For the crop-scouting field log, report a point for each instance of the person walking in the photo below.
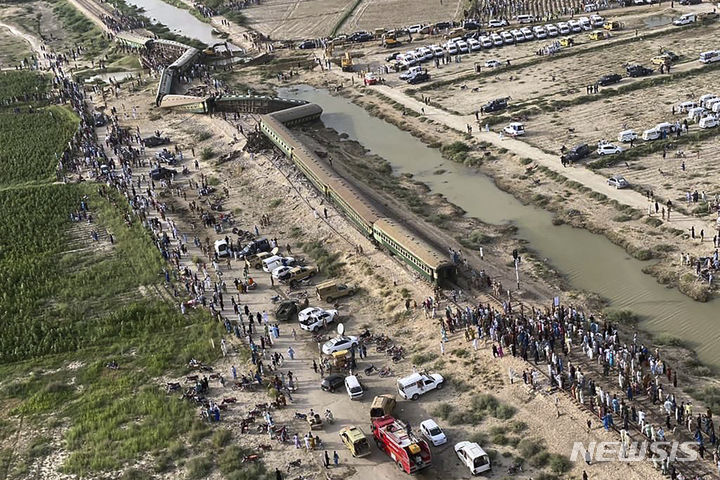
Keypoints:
(291, 353)
(336, 458)
(327, 460)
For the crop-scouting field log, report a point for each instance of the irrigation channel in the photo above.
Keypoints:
(589, 261)
(177, 20)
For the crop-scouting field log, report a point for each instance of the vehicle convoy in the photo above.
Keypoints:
(416, 384)
(393, 437)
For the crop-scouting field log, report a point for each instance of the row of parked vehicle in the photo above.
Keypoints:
(473, 42)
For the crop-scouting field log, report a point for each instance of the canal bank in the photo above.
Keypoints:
(589, 261)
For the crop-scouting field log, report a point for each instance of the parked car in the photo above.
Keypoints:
(473, 457)
(608, 149)
(564, 28)
(419, 78)
(416, 384)
(280, 271)
(638, 71)
(161, 173)
(259, 245)
(497, 39)
(272, 262)
(382, 405)
(651, 134)
(492, 64)
(618, 181)
(494, 105)
(515, 129)
(474, 44)
(306, 45)
(354, 389)
(690, 2)
(355, 441)
(332, 382)
(552, 30)
(410, 72)
(495, 23)
(685, 19)
(471, 25)
(627, 135)
(338, 343)
(578, 152)
(430, 430)
(609, 79)
(708, 122)
(295, 274)
(330, 290)
(222, 248)
(664, 58)
(317, 319)
(371, 79)
(462, 46)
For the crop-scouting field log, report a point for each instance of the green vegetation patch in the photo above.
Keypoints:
(21, 84)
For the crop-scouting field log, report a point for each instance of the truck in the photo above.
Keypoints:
(395, 438)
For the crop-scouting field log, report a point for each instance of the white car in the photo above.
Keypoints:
(527, 33)
(473, 457)
(279, 271)
(552, 30)
(432, 432)
(618, 181)
(305, 314)
(416, 384)
(462, 46)
(339, 343)
(426, 53)
(437, 50)
(492, 64)
(627, 136)
(354, 387)
(497, 39)
(597, 21)
(494, 23)
(608, 149)
(564, 28)
(317, 319)
(508, 37)
(518, 36)
(515, 129)
(222, 248)
(487, 42)
(271, 263)
(451, 48)
(708, 122)
(684, 107)
(539, 32)
(414, 28)
(474, 44)
(575, 26)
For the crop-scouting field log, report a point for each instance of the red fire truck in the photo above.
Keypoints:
(394, 438)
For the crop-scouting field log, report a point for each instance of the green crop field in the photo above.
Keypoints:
(21, 83)
(69, 305)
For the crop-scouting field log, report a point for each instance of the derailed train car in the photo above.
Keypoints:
(406, 246)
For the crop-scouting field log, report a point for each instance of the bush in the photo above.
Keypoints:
(540, 459)
(199, 467)
(443, 410)
(529, 447)
(423, 358)
(559, 463)
(622, 317)
(207, 153)
(221, 437)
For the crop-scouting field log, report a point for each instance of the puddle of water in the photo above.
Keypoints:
(590, 261)
(178, 20)
(114, 76)
(657, 20)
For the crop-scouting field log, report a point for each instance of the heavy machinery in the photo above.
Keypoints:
(346, 63)
(393, 437)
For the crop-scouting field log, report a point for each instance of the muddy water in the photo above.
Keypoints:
(177, 20)
(589, 261)
(657, 20)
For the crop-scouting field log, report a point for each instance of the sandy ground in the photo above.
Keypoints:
(390, 14)
(14, 46)
(262, 180)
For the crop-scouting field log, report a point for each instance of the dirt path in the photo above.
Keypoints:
(34, 42)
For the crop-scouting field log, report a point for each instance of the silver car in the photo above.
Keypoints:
(618, 181)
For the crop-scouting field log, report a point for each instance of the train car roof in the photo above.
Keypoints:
(356, 200)
(178, 100)
(294, 113)
(410, 241)
(187, 56)
(133, 38)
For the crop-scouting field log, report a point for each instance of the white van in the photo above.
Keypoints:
(651, 134)
(708, 122)
(525, 19)
(627, 135)
(515, 129)
(353, 387)
(704, 99)
(271, 263)
(710, 56)
(695, 114)
(686, 19)
(416, 384)
(716, 108)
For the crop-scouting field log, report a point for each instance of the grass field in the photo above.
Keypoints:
(69, 306)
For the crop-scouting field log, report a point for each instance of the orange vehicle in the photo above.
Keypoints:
(409, 453)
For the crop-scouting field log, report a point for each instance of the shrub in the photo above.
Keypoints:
(443, 410)
(529, 447)
(559, 463)
(423, 358)
(207, 153)
(199, 467)
(221, 437)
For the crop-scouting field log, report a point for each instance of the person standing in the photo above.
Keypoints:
(327, 460)
(336, 458)
(291, 353)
